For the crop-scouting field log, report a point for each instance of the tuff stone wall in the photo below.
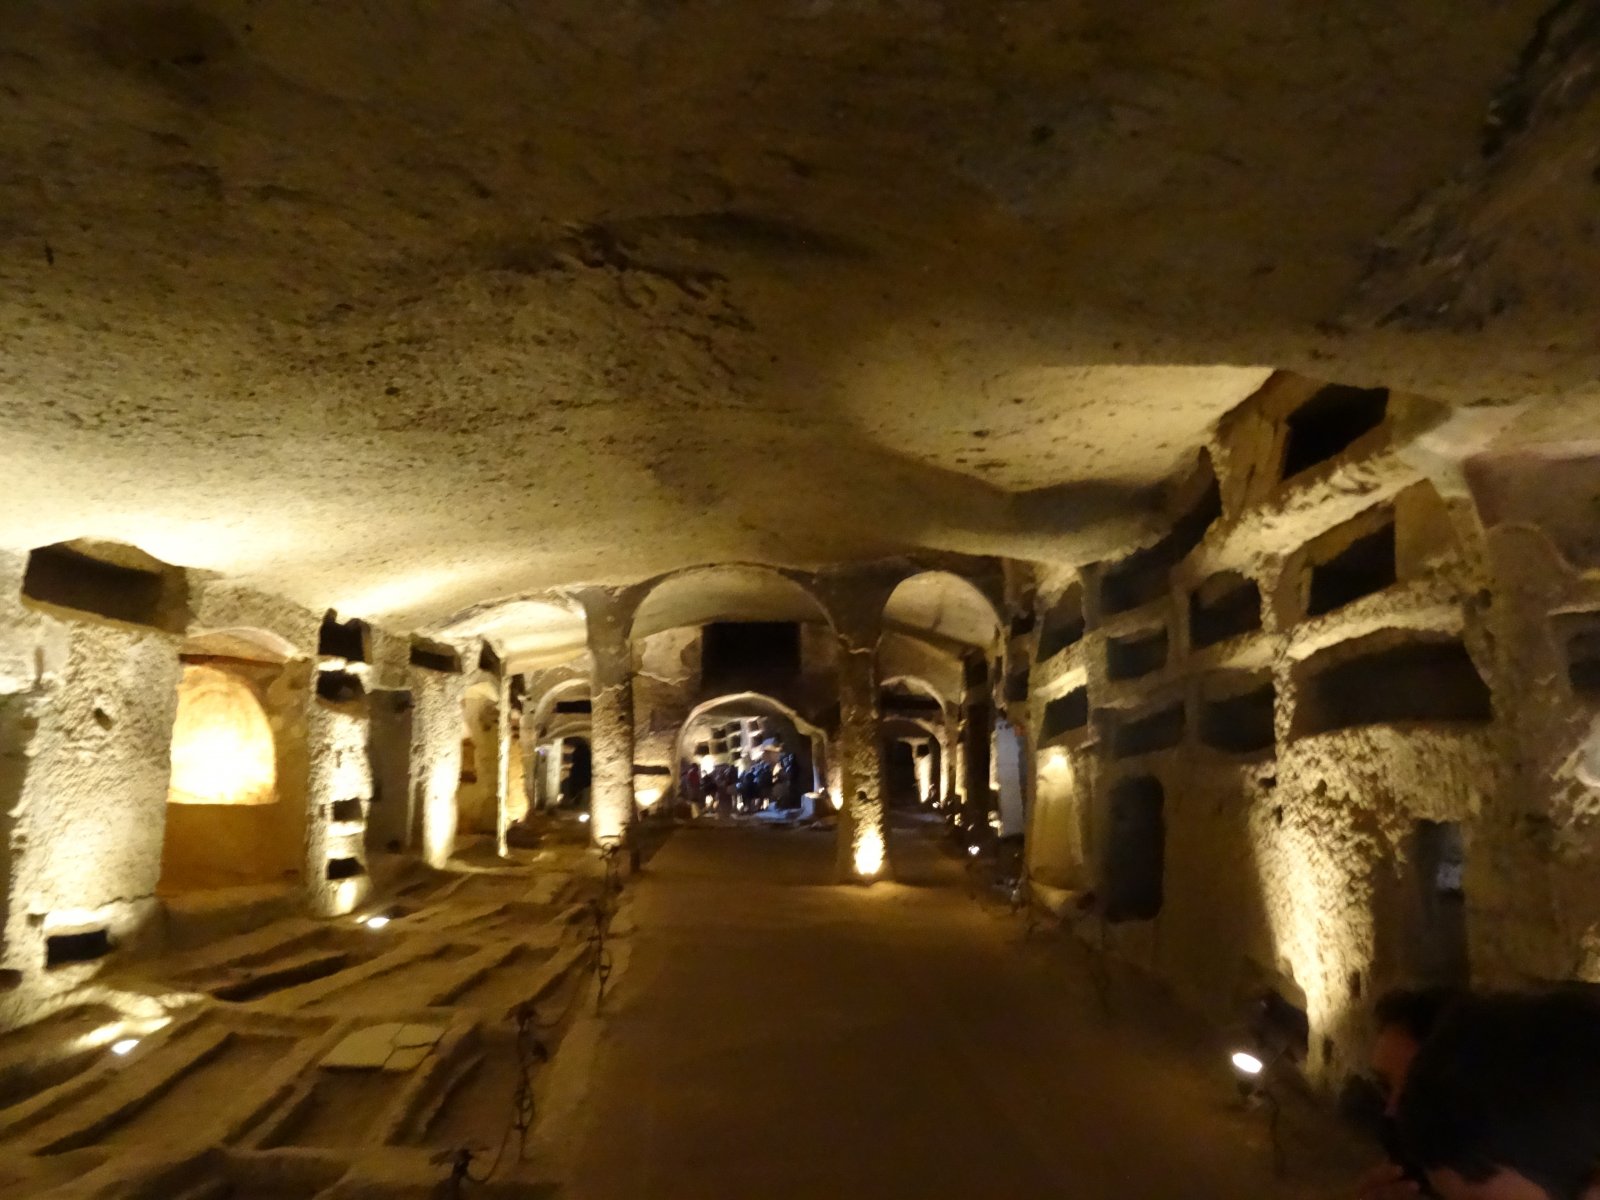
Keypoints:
(1292, 798)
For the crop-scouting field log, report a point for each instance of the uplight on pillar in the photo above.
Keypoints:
(869, 853)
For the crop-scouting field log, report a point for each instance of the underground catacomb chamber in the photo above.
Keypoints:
(1426, 680)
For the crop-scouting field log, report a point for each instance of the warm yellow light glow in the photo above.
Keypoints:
(125, 1046)
(836, 800)
(869, 853)
(648, 797)
(377, 922)
(708, 764)
(583, 818)
(222, 749)
(1247, 1064)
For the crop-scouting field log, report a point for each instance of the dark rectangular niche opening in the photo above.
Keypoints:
(909, 702)
(1414, 681)
(1241, 721)
(1158, 730)
(757, 654)
(1063, 624)
(1583, 661)
(1365, 566)
(1064, 714)
(68, 578)
(349, 640)
(1142, 577)
(1225, 606)
(345, 810)
(1017, 685)
(345, 868)
(489, 661)
(339, 687)
(1136, 655)
(1328, 423)
(574, 707)
(65, 948)
(1135, 851)
(432, 656)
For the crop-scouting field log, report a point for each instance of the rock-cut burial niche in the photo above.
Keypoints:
(1135, 850)
(1065, 714)
(1329, 423)
(1156, 729)
(1142, 577)
(435, 656)
(235, 801)
(1427, 680)
(1236, 712)
(1365, 566)
(1063, 624)
(1579, 636)
(1224, 606)
(115, 582)
(1137, 654)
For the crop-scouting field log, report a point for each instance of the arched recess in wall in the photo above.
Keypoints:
(807, 741)
(236, 805)
(477, 805)
(559, 728)
(953, 629)
(712, 631)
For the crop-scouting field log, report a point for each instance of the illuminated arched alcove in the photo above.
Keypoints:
(222, 747)
(236, 798)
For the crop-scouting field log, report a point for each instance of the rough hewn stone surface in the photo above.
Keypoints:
(497, 298)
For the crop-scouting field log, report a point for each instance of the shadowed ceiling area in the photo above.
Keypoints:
(401, 309)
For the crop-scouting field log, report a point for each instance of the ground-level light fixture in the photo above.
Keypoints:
(974, 850)
(375, 922)
(648, 797)
(1246, 1064)
(869, 853)
(124, 1046)
(583, 818)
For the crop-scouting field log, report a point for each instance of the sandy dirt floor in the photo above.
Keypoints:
(772, 1036)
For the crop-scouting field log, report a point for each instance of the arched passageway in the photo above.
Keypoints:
(746, 753)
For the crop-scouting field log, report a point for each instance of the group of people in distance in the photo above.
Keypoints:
(1489, 1097)
(769, 781)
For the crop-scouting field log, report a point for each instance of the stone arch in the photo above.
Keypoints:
(554, 739)
(758, 700)
(943, 608)
(730, 591)
(237, 805)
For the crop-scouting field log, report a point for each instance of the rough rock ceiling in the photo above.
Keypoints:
(404, 306)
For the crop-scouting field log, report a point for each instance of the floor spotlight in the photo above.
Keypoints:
(1247, 1065)
(377, 922)
(125, 1046)
(974, 850)
(583, 818)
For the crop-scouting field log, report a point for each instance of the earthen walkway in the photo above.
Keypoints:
(771, 1036)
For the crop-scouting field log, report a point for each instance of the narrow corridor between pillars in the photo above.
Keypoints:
(773, 1036)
